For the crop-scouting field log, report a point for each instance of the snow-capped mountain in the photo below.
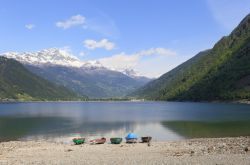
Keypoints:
(51, 56)
(55, 56)
(89, 78)
(93, 65)
(130, 72)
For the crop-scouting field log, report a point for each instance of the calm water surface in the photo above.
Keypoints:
(60, 121)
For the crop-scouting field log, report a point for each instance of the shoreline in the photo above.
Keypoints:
(231, 150)
(247, 102)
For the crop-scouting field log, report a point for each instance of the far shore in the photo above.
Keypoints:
(232, 150)
(122, 100)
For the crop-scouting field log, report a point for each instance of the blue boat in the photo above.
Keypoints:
(131, 138)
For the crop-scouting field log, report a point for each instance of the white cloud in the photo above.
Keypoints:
(103, 25)
(152, 61)
(156, 51)
(104, 43)
(120, 61)
(66, 49)
(30, 26)
(82, 54)
(72, 21)
(155, 67)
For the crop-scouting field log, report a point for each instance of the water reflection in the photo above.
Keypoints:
(162, 120)
(63, 129)
(199, 129)
(128, 111)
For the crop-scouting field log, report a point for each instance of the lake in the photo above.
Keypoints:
(60, 121)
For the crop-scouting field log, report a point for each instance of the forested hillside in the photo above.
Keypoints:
(221, 73)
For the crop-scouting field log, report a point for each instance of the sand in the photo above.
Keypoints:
(195, 151)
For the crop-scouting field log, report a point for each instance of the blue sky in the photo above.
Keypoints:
(150, 36)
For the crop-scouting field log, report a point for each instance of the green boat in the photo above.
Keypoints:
(115, 140)
(78, 141)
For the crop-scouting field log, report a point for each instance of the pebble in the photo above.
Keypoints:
(211, 148)
(68, 150)
(247, 149)
(177, 154)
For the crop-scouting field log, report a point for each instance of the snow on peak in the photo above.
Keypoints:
(55, 56)
(130, 72)
(52, 56)
(93, 63)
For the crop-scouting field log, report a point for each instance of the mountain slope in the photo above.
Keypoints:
(95, 82)
(16, 82)
(89, 78)
(221, 73)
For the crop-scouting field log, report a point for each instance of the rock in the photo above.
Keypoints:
(68, 150)
(247, 149)
(211, 148)
(177, 154)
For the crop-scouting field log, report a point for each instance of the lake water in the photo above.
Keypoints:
(60, 121)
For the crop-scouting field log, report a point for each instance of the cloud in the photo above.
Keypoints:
(137, 60)
(120, 61)
(72, 21)
(103, 25)
(104, 43)
(156, 51)
(30, 26)
(156, 66)
(82, 54)
(229, 13)
(66, 49)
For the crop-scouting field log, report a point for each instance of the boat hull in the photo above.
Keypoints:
(146, 139)
(78, 141)
(98, 141)
(131, 140)
(115, 140)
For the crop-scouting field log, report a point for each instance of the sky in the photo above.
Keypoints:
(149, 36)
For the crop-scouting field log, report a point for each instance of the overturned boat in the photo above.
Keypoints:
(78, 141)
(115, 140)
(146, 139)
(131, 138)
(98, 141)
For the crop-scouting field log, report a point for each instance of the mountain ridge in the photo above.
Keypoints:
(17, 83)
(84, 78)
(60, 57)
(206, 76)
(93, 82)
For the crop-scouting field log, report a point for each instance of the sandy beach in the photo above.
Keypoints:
(194, 151)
